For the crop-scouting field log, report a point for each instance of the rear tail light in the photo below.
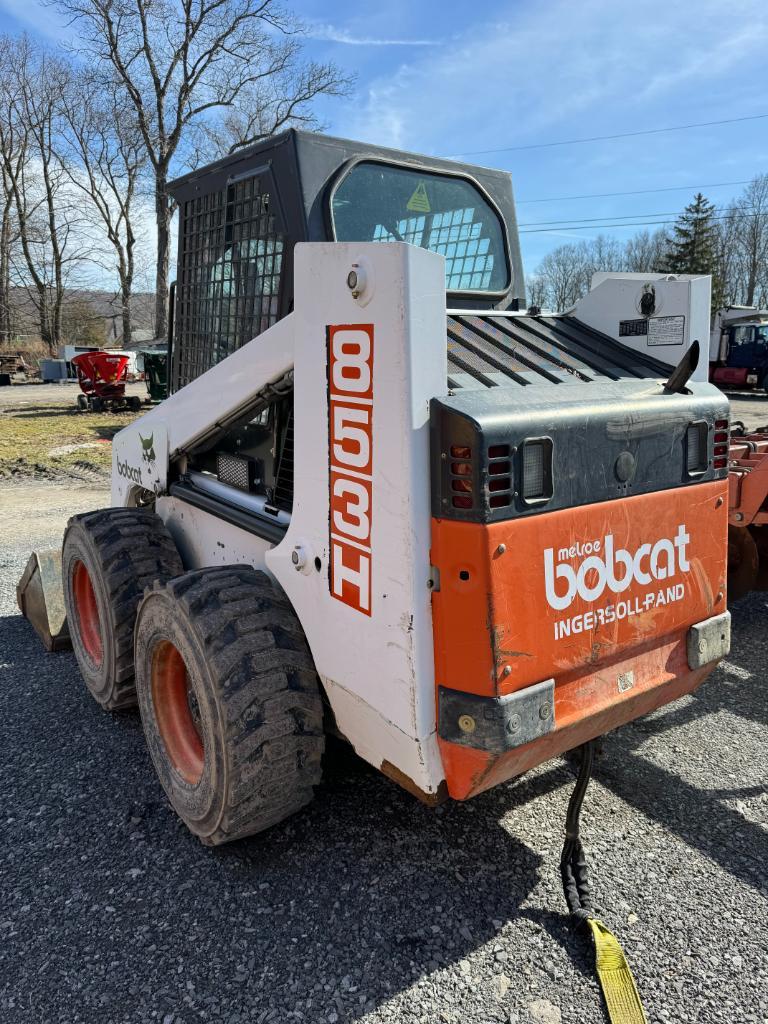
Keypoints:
(461, 476)
(499, 476)
(537, 469)
(722, 440)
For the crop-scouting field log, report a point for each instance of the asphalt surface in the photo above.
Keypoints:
(368, 907)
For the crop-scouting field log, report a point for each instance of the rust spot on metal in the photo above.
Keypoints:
(406, 783)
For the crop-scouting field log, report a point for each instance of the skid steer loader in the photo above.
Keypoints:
(386, 501)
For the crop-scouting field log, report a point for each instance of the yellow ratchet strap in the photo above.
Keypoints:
(622, 999)
(619, 989)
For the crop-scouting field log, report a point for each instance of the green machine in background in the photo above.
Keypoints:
(154, 363)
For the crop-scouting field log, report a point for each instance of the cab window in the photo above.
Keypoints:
(379, 202)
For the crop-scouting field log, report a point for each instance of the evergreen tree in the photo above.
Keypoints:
(692, 248)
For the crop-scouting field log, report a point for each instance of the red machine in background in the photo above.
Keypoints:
(102, 378)
(747, 513)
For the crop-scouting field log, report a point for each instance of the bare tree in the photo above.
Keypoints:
(8, 236)
(644, 252)
(536, 288)
(49, 223)
(13, 154)
(565, 273)
(183, 63)
(752, 217)
(108, 159)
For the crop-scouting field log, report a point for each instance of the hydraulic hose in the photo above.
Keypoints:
(622, 999)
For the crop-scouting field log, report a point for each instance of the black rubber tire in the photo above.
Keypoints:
(82, 403)
(123, 550)
(743, 562)
(97, 404)
(760, 537)
(134, 403)
(256, 709)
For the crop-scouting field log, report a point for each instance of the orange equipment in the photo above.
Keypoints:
(748, 513)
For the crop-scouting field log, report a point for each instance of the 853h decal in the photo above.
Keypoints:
(350, 462)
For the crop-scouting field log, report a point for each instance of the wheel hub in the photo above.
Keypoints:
(89, 625)
(177, 712)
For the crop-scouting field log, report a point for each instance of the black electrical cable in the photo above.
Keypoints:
(573, 861)
(636, 192)
(619, 135)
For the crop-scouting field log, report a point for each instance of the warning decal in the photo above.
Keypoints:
(666, 330)
(419, 203)
(632, 328)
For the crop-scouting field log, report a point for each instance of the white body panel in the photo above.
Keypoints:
(203, 539)
(680, 313)
(377, 667)
(384, 702)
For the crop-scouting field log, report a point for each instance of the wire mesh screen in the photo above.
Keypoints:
(455, 234)
(229, 275)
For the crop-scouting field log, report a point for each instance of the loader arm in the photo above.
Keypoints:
(196, 415)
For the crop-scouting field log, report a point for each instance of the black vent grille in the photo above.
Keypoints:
(497, 350)
(284, 476)
(230, 259)
(500, 477)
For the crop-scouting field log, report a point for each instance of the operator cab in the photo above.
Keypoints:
(239, 220)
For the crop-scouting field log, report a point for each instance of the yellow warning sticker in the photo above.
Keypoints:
(419, 201)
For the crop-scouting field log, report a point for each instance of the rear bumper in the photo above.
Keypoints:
(488, 740)
(598, 601)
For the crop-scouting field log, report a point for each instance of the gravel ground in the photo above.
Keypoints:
(369, 907)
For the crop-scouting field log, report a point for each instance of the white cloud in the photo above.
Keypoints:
(558, 67)
(341, 35)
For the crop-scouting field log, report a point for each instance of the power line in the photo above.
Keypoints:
(621, 216)
(606, 138)
(639, 192)
(627, 224)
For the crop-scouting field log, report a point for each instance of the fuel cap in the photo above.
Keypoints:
(624, 467)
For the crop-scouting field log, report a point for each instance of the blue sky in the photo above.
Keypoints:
(453, 78)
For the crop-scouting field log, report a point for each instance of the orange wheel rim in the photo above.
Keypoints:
(174, 704)
(88, 623)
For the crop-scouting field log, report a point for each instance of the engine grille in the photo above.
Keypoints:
(486, 351)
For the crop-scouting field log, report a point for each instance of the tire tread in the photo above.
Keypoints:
(265, 684)
(134, 550)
